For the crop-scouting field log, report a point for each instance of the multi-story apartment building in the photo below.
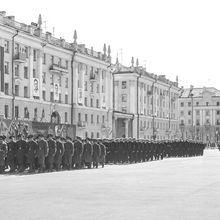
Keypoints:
(46, 80)
(200, 114)
(93, 86)
(145, 105)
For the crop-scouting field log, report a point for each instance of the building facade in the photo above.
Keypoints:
(45, 79)
(145, 105)
(93, 88)
(200, 114)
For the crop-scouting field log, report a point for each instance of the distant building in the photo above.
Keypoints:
(200, 114)
(145, 105)
(44, 79)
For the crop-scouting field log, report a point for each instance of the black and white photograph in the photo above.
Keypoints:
(110, 110)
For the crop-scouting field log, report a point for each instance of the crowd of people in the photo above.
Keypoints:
(46, 154)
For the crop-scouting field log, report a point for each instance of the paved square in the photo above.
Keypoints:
(178, 188)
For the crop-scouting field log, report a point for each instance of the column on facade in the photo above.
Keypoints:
(132, 99)
(83, 82)
(113, 127)
(126, 128)
(31, 71)
(110, 95)
(75, 83)
(100, 88)
(40, 72)
(105, 89)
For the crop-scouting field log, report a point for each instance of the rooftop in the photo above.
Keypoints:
(199, 92)
(120, 69)
(34, 29)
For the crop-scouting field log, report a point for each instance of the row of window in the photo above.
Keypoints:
(148, 112)
(157, 124)
(92, 87)
(198, 122)
(24, 49)
(148, 101)
(207, 112)
(43, 93)
(92, 120)
(17, 73)
(197, 104)
(27, 115)
(157, 90)
(91, 102)
(93, 71)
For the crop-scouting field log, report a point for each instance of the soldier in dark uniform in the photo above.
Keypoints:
(3, 154)
(109, 153)
(102, 154)
(59, 154)
(31, 152)
(130, 150)
(42, 152)
(52, 147)
(106, 143)
(11, 153)
(77, 156)
(21, 146)
(68, 153)
(124, 151)
(96, 153)
(87, 153)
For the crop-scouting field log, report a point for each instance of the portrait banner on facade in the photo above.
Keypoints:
(56, 92)
(80, 95)
(36, 91)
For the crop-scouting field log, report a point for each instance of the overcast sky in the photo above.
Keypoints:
(170, 37)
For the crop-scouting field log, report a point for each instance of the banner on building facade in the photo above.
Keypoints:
(36, 91)
(15, 127)
(2, 73)
(56, 92)
(80, 95)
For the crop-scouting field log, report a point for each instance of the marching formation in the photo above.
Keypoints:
(40, 154)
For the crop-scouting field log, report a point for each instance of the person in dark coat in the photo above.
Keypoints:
(52, 148)
(68, 153)
(42, 152)
(77, 156)
(21, 146)
(11, 156)
(102, 154)
(96, 154)
(3, 153)
(31, 153)
(59, 154)
(87, 153)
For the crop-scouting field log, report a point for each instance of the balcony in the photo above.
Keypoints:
(56, 68)
(20, 57)
(81, 124)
